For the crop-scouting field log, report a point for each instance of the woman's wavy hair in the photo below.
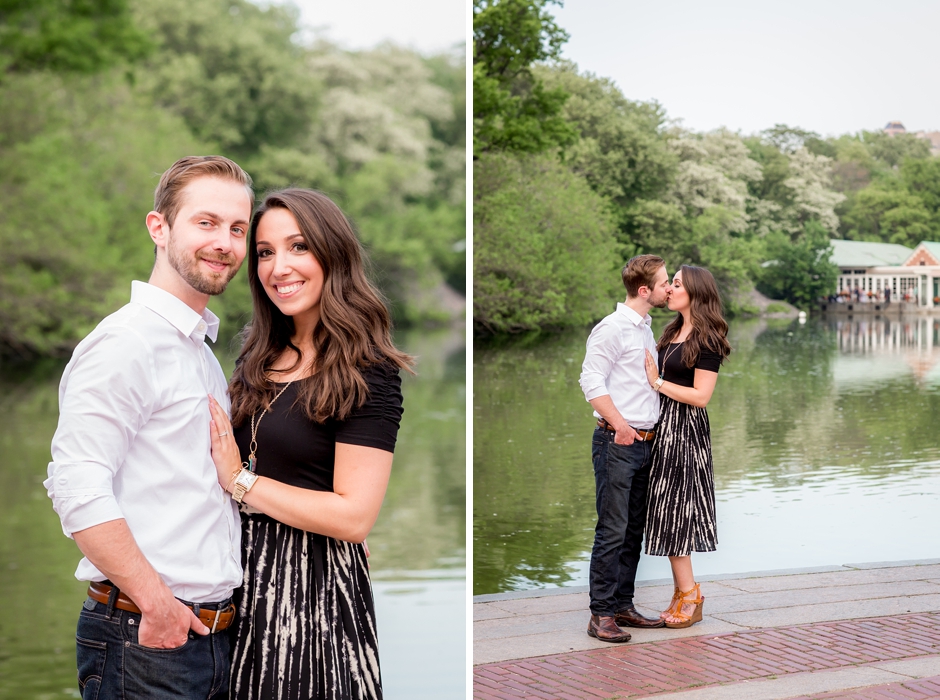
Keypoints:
(354, 330)
(709, 328)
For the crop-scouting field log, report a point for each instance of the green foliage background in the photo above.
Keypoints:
(100, 97)
(757, 210)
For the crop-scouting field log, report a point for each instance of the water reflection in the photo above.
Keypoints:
(903, 346)
(823, 435)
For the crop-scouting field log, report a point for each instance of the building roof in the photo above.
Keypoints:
(866, 254)
(932, 247)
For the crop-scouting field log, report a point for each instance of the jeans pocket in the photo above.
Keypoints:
(91, 656)
(162, 674)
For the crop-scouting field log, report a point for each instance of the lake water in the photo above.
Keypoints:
(825, 440)
(418, 544)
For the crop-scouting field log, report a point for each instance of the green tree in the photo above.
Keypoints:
(900, 206)
(775, 169)
(623, 151)
(799, 271)
(404, 187)
(80, 36)
(811, 197)
(544, 250)
(789, 139)
(893, 150)
(512, 109)
(714, 170)
(711, 190)
(76, 169)
(888, 213)
(921, 177)
(231, 70)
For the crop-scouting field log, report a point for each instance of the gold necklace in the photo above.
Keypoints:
(669, 351)
(252, 448)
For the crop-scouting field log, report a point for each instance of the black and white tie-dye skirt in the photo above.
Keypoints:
(305, 627)
(681, 513)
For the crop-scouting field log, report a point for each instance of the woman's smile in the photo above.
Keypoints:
(285, 290)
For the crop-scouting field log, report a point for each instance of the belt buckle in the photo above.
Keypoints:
(215, 622)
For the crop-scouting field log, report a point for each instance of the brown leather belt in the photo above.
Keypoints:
(644, 435)
(215, 620)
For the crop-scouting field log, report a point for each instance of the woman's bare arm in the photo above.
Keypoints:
(699, 394)
(360, 478)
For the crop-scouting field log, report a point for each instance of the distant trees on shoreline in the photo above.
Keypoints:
(727, 201)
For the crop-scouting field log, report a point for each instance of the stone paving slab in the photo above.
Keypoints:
(769, 663)
(573, 637)
(524, 625)
(543, 625)
(849, 577)
(649, 599)
(845, 610)
(892, 564)
(921, 689)
(826, 594)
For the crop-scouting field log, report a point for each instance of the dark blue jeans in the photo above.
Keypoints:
(621, 477)
(113, 666)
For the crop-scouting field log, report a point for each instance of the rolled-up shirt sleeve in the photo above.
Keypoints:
(107, 393)
(604, 347)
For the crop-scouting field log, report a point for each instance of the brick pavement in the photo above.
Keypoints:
(626, 671)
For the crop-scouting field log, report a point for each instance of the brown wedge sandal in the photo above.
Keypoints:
(672, 605)
(696, 616)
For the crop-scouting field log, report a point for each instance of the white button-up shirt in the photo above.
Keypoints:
(615, 364)
(133, 442)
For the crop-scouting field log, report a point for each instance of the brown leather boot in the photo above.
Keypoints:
(630, 617)
(606, 630)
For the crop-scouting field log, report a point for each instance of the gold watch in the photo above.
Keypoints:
(243, 483)
(658, 384)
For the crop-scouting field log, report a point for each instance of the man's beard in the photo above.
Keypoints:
(661, 304)
(211, 283)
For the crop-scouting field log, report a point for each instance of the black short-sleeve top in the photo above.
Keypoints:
(297, 451)
(676, 371)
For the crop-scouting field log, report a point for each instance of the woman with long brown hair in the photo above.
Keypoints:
(316, 405)
(681, 510)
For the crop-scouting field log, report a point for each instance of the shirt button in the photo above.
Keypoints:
(201, 327)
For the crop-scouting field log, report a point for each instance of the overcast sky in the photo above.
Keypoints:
(430, 26)
(830, 66)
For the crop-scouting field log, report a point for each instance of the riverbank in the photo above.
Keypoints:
(816, 633)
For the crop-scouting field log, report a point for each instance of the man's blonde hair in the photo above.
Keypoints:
(640, 272)
(167, 199)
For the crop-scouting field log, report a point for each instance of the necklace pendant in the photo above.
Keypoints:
(251, 463)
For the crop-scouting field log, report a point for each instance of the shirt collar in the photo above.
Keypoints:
(175, 310)
(634, 317)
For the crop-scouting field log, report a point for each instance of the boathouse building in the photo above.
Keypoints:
(867, 270)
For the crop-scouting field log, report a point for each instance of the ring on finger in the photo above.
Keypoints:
(223, 434)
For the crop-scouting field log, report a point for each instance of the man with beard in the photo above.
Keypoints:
(132, 477)
(613, 379)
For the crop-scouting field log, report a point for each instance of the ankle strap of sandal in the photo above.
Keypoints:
(683, 595)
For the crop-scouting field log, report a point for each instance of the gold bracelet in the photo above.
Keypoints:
(234, 476)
